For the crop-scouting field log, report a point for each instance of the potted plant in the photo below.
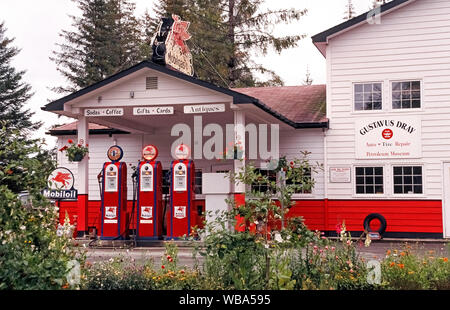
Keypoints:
(233, 151)
(75, 152)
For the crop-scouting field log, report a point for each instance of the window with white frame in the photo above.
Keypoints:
(369, 180)
(303, 187)
(406, 95)
(264, 187)
(368, 96)
(408, 180)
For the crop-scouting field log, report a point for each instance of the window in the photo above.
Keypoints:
(369, 180)
(306, 180)
(166, 181)
(368, 96)
(408, 180)
(262, 188)
(198, 181)
(406, 95)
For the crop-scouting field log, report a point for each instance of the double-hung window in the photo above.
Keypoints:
(406, 95)
(368, 96)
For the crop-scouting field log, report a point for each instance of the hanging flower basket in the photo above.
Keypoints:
(75, 152)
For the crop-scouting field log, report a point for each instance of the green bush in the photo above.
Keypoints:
(406, 270)
(32, 256)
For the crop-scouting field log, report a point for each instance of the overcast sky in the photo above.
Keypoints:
(36, 25)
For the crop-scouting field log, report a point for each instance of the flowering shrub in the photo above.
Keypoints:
(406, 270)
(123, 273)
(32, 256)
(75, 152)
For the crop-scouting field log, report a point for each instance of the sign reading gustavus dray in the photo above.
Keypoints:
(390, 137)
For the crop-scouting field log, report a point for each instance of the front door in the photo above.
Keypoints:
(446, 213)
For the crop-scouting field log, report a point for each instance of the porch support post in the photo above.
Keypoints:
(83, 178)
(239, 189)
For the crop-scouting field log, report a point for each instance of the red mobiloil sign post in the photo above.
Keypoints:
(182, 215)
(114, 196)
(149, 198)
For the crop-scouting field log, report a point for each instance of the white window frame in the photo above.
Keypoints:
(390, 108)
(370, 165)
(383, 104)
(409, 164)
(297, 196)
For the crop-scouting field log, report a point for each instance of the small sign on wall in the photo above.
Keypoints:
(340, 174)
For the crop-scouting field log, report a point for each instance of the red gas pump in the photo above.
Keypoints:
(149, 222)
(182, 215)
(114, 197)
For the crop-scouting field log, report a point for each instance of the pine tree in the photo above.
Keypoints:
(308, 80)
(226, 32)
(106, 40)
(14, 93)
(377, 3)
(349, 10)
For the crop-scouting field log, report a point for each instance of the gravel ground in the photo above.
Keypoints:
(377, 250)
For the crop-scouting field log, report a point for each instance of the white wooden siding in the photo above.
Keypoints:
(292, 142)
(411, 43)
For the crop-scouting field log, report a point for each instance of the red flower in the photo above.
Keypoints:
(70, 141)
(162, 267)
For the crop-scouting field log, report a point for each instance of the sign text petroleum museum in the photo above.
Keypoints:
(388, 138)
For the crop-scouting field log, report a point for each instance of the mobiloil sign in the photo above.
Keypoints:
(60, 185)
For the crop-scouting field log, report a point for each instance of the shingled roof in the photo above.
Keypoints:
(302, 106)
(299, 104)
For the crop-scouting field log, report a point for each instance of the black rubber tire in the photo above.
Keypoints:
(370, 218)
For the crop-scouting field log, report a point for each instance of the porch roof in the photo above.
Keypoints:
(298, 106)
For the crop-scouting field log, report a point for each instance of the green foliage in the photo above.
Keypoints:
(225, 35)
(406, 270)
(32, 256)
(24, 164)
(106, 40)
(14, 93)
(76, 151)
(123, 273)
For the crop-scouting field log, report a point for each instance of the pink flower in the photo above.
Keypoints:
(338, 228)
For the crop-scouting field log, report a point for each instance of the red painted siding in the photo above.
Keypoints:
(94, 212)
(401, 215)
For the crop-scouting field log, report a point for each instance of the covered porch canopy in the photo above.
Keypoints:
(151, 100)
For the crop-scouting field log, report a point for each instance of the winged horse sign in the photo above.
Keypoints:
(60, 185)
(169, 45)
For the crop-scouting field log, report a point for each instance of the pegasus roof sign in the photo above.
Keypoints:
(169, 45)
(60, 185)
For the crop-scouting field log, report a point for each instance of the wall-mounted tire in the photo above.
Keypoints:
(373, 216)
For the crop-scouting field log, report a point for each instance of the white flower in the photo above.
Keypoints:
(278, 237)
(23, 227)
(8, 232)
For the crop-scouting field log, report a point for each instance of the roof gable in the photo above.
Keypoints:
(58, 105)
(320, 40)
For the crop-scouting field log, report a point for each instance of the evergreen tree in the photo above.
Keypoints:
(349, 10)
(308, 80)
(377, 3)
(14, 93)
(106, 40)
(226, 32)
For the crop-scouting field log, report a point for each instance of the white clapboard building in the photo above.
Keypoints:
(380, 127)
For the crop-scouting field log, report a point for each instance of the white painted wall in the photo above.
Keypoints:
(291, 143)
(411, 43)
